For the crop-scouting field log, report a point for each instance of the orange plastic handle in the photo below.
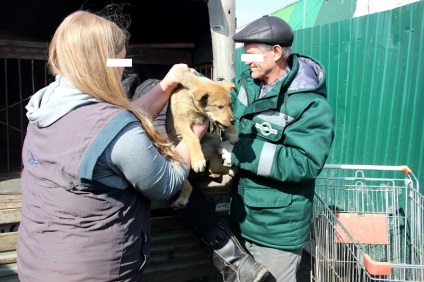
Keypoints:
(406, 169)
(376, 267)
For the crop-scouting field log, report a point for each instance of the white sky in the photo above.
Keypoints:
(249, 10)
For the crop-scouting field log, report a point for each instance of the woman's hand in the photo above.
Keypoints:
(170, 82)
(156, 98)
(200, 129)
(182, 148)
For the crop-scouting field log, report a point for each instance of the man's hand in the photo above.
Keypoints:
(225, 149)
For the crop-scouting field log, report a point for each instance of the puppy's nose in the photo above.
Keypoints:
(232, 120)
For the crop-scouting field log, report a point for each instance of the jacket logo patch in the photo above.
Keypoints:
(266, 128)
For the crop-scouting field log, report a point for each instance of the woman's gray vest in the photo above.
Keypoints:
(73, 228)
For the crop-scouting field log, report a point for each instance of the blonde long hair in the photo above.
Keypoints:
(79, 50)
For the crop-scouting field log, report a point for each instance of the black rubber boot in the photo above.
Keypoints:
(229, 257)
(222, 247)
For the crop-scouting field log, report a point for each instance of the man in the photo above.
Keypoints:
(286, 130)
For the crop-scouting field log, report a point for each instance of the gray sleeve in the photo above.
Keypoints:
(133, 156)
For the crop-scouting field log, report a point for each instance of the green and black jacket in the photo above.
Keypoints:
(285, 139)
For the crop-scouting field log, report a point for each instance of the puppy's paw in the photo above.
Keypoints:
(232, 171)
(198, 166)
(226, 181)
(231, 134)
(233, 138)
(179, 203)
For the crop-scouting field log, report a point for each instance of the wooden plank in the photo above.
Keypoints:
(161, 53)
(12, 227)
(173, 45)
(215, 192)
(12, 278)
(201, 271)
(160, 56)
(7, 257)
(10, 202)
(16, 49)
(10, 186)
(177, 254)
(8, 241)
(10, 191)
(9, 272)
(10, 175)
(10, 216)
(160, 205)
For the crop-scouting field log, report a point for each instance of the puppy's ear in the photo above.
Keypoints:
(202, 96)
(228, 85)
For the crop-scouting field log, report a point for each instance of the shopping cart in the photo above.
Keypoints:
(367, 225)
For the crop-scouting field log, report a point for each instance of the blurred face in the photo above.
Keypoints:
(271, 65)
(259, 69)
(121, 55)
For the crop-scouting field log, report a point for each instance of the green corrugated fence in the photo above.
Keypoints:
(375, 79)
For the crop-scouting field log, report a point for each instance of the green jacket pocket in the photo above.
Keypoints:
(266, 198)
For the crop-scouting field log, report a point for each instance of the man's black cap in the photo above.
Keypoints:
(269, 30)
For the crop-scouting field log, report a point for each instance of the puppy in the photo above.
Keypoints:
(197, 99)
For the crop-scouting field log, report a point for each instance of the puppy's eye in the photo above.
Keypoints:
(220, 107)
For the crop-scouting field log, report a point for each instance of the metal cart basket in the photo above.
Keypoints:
(367, 225)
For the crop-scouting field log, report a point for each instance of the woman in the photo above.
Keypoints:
(93, 162)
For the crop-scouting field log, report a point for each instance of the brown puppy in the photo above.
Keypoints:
(197, 99)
